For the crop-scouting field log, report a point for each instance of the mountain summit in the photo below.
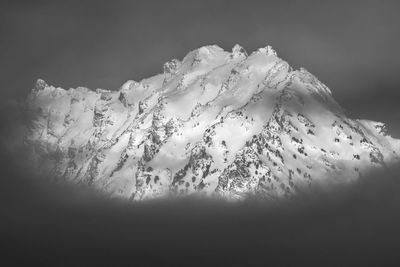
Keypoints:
(216, 123)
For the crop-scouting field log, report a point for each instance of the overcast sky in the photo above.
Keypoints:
(352, 46)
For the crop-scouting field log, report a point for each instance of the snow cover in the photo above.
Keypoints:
(217, 123)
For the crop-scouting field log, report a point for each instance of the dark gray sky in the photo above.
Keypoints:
(352, 46)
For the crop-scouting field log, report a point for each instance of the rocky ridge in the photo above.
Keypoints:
(218, 123)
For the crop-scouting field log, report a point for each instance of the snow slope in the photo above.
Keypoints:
(219, 123)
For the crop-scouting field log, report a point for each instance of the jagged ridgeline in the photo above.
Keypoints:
(217, 123)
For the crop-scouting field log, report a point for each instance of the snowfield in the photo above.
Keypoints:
(218, 123)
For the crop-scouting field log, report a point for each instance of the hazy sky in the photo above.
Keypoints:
(352, 46)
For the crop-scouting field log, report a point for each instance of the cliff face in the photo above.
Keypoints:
(217, 122)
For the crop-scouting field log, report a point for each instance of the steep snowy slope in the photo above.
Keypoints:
(217, 122)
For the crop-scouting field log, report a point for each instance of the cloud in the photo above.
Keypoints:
(48, 223)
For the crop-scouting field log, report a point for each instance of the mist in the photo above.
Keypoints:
(51, 224)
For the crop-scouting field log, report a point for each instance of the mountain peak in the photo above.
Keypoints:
(40, 85)
(267, 50)
(219, 123)
(238, 50)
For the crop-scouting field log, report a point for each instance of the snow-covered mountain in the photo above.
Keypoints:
(219, 123)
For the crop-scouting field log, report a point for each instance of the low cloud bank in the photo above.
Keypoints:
(57, 224)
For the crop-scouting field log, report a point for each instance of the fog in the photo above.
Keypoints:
(50, 224)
